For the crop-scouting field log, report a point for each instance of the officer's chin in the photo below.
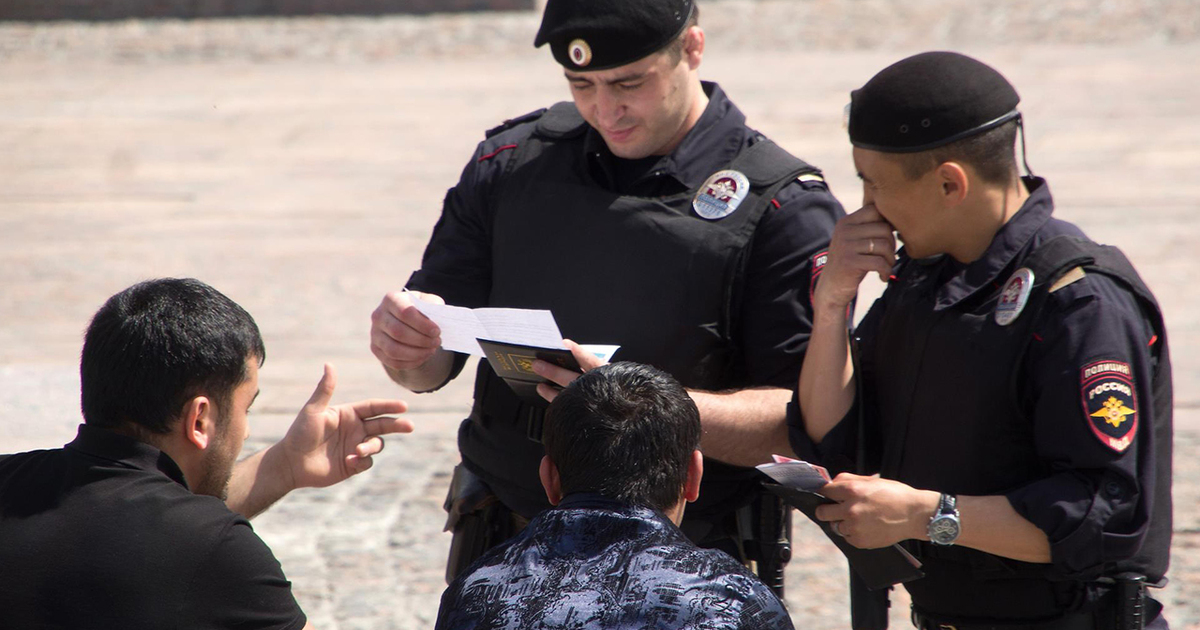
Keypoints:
(626, 147)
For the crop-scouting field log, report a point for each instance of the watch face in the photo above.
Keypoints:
(943, 530)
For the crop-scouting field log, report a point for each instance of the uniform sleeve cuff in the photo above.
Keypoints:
(1075, 512)
(835, 452)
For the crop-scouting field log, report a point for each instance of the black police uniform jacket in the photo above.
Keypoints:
(544, 217)
(1066, 411)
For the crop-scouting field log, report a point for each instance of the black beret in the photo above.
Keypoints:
(929, 100)
(601, 34)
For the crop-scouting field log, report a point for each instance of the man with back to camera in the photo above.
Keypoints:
(646, 214)
(621, 462)
(1014, 383)
(125, 527)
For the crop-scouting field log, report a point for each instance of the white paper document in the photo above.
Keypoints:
(462, 326)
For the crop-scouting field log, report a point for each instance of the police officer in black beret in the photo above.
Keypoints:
(643, 213)
(1012, 387)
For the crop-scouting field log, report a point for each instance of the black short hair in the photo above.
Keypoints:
(156, 345)
(992, 154)
(626, 431)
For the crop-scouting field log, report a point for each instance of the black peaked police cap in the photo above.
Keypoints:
(602, 34)
(927, 101)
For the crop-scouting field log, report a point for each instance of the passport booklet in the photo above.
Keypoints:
(513, 362)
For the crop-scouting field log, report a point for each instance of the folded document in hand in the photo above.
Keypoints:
(799, 484)
(510, 339)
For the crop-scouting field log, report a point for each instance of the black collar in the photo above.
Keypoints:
(125, 451)
(1012, 239)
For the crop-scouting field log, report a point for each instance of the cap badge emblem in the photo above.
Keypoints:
(580, 52)
(721, 195)
(1014, 296)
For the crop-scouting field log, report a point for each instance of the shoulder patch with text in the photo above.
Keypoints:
(1110, 402)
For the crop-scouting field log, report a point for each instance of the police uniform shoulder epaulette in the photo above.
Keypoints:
(513, 122)
(771, 161)
(561, 121)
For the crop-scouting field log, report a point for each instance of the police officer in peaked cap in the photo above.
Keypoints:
(1012, 386)
(643, 212)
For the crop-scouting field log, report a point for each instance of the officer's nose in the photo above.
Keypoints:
(608, 107)
(868, 198)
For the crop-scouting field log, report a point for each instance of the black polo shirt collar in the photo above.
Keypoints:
(1011, 240)
(125, 451)
(709, 146)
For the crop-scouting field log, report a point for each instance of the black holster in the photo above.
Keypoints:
(1130, 610)
(765, 538)
(478, 519)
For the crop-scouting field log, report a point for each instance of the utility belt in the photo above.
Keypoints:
(1123, 605)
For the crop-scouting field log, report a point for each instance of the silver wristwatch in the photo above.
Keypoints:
(944, 527)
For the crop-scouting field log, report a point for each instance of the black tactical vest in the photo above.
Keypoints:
(965, 354)
(648, 274)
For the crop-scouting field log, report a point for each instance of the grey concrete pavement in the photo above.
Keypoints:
(305, 186)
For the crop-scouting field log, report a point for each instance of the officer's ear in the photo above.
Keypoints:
(691, 487)
(693, 46)
(955, 183)
(551, 482)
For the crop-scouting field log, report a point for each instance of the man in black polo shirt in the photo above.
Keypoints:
(125, 526)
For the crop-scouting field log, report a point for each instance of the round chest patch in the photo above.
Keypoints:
(580, 52)
(1014, 296)
(721, 195)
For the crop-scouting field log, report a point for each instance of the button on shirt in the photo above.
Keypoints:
(600, 564)
(104, 533)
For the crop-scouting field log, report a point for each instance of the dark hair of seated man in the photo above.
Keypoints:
(625, 431)
(621, 463)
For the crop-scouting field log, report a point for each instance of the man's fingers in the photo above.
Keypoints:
(411, 328)
(386, 425)
(587, 360)
(359, 464)
(831, 512)
(368, 447)
(396, 355)
(369, 409)
(547, 391)
(430, 297)
(862, 231)
(552, 372)
(324, 392)
(865, 214)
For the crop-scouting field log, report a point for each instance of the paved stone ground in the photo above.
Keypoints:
(298, 165)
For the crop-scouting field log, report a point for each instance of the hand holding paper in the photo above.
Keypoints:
(523, 346)
(402, 338)
(807, 487)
